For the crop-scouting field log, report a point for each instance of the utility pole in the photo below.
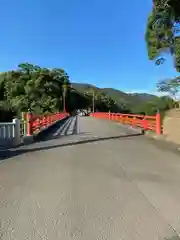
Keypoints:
(65, 88)
(93, 101)
(64, 97)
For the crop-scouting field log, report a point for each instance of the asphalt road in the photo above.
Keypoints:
(90, 180)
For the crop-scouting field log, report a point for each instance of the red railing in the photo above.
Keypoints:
(37, 123)
(146, 122)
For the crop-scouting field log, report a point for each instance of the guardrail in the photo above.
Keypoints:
(152, 123)
(10, 133)
(34, 124)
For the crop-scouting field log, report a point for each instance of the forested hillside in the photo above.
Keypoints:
(140, 103)
(44, 90)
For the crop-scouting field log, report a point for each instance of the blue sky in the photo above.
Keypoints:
(99, 41)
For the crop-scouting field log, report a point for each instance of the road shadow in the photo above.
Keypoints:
(9, 153)
(50, 134)
(47, 134)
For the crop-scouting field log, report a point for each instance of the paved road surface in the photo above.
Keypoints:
(94, 181)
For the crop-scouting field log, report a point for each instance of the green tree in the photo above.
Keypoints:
(162, 32)
(160, 104)
(102, 102)
(170, 86)
(146, 108)
(31, 87)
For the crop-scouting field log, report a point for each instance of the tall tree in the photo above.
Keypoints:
(31, 87)
(170, 86)
(162, 32)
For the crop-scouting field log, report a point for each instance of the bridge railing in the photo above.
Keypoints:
(145, 122)
(32, 123)
(11, 133)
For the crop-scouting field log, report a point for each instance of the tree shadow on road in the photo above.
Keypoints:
(5, 154)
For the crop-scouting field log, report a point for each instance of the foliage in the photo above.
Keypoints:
(170, 86)
(102, 102)
(40, 90)
(160, 104)
(32, 88)
(76, 101)
(128, 103)
(162, 32)
(123, 102)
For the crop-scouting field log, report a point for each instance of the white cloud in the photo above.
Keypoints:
(147, 92)
(156, 93)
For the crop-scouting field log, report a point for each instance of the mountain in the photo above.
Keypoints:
(131, 99)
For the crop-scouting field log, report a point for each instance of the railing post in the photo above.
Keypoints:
(145, 124)
(24, 124)
(38, 124)
(17, 131)
(112, 116)
(133, 121)
(158, 123)
(29, 124)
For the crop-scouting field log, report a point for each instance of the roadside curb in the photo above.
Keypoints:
(137, 130)
(27, 140)
(154, 136)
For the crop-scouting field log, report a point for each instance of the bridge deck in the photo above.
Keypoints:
(98, 182)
